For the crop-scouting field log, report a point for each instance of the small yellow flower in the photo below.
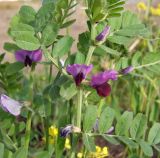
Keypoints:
(67, 144)
(100, 153)
(79, 155)
(141, 6)
(98, 149)
(105, 151)
(158, 11)
(53, 131)
(158, 5)
(155, 11)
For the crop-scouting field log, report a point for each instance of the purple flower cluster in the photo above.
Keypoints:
(28, 57)
(79, 72)
(98, 81)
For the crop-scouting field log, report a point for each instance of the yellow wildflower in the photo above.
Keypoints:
(79, 155)
(141, 6)
(155, 11)
(100, 153)
(53, 131)
(67, 144)
(98, 149)
(105, 151)
(158, 5)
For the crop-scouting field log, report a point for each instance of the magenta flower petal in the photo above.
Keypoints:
(36, 55)
(28, 57)
(103, 90)
(79, 72)
(99, 82)
(20, 55)
(10, 105)
(103, 34)
(103, 77)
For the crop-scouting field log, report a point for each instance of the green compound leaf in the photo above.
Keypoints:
(20, 29)
(89, 143)
(14, 68)
(21, 152)
(130, 143)
(68, 90)
(49, 34)
(27, 14)
(79, 58)
(63, 46)
(106, 119)
(90, 118)
(124, 123)
(138, 126)
(27, 42)
(154, 134)
(146, 148)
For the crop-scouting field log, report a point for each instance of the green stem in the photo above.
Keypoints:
(28, 131)
(89, 55)
(147, 65)
(91, 48)
(79, 107)
(149, 2)
(100, 106)
(50, 73)
(56, 64)
(47, 132)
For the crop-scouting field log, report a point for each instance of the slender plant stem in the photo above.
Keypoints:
(50, 73)
(28, 132)
(56, 64)
(47, 132)
(79, 107)
(100, 106)
(149, 2)
(147, 65)
(91, 48)
(89, 55)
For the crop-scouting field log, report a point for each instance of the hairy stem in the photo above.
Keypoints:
(147, 65)
(79, 107)
(28, 131)
(89, 55)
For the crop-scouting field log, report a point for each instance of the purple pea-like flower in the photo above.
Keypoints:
(103, 34)
(64, 132)
(79, 72)
(126, 70)
(28, 57)
(10, 105)
(99, 82)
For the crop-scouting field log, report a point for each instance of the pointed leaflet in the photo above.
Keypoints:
(106, 119)
(154, 134)
(89, 143)
(89, 118)
(138, 126)
(146, 148)
(62, 47)
(124, 123)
